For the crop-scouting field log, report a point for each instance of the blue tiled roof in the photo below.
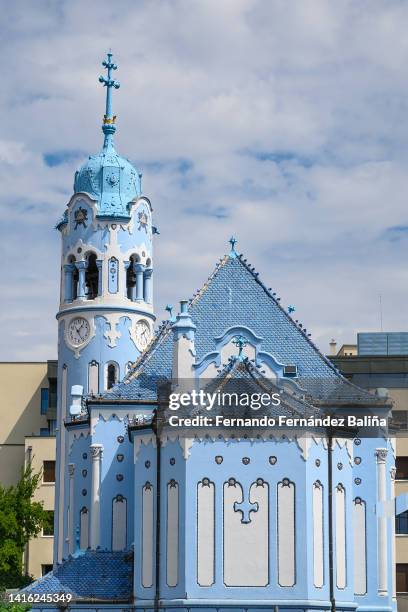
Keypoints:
(109, 179)
(93, 575)
(241, 376)
(234, 295)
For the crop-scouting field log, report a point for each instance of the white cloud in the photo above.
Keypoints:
(292, 114)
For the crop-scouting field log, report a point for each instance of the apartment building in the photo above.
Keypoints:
(27, 434)
(380, 360)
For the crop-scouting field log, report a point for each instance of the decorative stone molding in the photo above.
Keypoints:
(112, 335)
(185, 442)
(96, 451)
(73, 436)
(381, 454)
(304, 444)
(144, 439)
(347, 444)
(83, 249)
(392, 443)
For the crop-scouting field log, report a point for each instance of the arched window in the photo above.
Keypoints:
(91, 277)
(131, 277)
(112, 374)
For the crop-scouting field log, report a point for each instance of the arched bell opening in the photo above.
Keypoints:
(131, 277)
(91, 277)
(112, 374)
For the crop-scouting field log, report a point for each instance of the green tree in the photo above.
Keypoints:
(13, 607)
(21, 519)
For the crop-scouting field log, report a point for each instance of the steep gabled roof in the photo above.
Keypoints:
(242, 377)
(234, 295)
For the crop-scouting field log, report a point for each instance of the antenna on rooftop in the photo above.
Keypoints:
(381, 314)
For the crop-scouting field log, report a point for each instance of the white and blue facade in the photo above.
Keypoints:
(149, 516)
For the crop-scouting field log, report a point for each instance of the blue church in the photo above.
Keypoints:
(215, 519)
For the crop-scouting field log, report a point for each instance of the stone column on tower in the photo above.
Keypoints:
(96, 454)
(71, 471)
(139, 270)
(148, 294)
(381, 455)
(81, 267)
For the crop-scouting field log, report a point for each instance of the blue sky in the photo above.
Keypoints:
(284, 123)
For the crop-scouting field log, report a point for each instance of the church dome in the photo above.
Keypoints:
(110, 179)
(107, 177)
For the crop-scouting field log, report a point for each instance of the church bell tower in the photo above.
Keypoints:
(105, 318)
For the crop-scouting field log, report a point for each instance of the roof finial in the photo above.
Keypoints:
(233, 241)
(169, 309)
(109, 127)
(240, 342)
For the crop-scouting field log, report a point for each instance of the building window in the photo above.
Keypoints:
(402, 577)
(399, 419)
(48, 471)
(112, 375)
(52, 393)
(52, 425)
(48, 529)
(93, 378)
(401, 523)
(402, 468)
(46, 569)
(91, 277)
(44, 401)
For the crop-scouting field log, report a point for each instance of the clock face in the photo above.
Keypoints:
(142, 334)
(78, 331)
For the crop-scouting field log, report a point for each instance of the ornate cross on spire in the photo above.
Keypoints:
(109, 82)
(233, 241)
